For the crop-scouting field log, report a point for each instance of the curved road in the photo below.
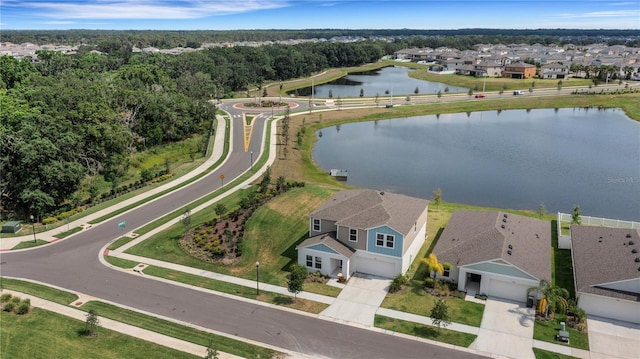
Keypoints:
(73, 264)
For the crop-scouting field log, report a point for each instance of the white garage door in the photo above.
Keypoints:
(507, 290)
(376, 267)
(610, 307)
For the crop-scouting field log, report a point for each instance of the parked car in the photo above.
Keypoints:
(480, 96)
(518, 93)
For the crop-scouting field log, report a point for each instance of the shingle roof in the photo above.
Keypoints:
(367, 208)
(329, 240)
(477, 236)
(604, 255)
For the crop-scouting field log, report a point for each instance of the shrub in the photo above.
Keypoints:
(398, 283)
(8, 307)
(50, 220)
(15, 300)
(428, 282)
(23, 308)
(5, 297)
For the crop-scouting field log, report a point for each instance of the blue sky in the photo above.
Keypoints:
(314, 14)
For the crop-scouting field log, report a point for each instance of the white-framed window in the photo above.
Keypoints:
(318, 262)
(316, 224)
(445, 271)
(353, 234)
(309, 261)
(385, 240)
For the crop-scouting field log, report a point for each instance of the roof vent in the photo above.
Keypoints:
(634, 251)
(505, 215)
(510, 246)
(502, 226)
(631, 243)
(599, 240)
(637, 259)
(628, 235)
(382, 193)
(509, 252)
(537, 236)
(504, 220)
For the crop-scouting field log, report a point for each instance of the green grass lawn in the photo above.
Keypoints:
(174, 330)
(119, 243)
(544, 354)
(69, 232)
(413, 299)
(547, 330)
(425, 331)
(271, 236)
(44, 334)
(235, 289)
(38, 290)
(29, 244)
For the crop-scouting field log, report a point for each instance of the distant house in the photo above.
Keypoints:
(606, 269)
(519, 70)
(495, 253)
(554, 71)
(364, 231)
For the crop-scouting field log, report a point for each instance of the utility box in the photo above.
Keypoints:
(11, 227)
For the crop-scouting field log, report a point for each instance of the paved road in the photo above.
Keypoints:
(73, 264)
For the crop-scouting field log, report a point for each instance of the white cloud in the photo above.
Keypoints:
(149, 9)
(603, 14)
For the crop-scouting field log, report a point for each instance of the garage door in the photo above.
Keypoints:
(376, 267)
(507, 290)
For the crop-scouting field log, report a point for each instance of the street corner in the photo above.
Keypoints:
(140, 268)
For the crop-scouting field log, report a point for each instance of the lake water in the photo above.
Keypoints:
(511, 159)
(384, 82)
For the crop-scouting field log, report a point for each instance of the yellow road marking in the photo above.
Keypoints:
(248, 130)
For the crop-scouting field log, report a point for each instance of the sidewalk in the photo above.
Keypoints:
(6, 243)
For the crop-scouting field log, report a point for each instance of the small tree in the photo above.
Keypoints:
(440, 314)
(575, 217)
(470, 92)
(361, 92)
(437, 193)
(212, 352)
(92, 322)
(330, 93)
(220, 209)
(186, 218)
(416, 91)
(439, 93)
(296, 279)
(542, 210)
(433, 266)
(266, 179)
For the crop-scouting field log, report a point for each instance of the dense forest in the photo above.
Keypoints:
(66, 117)
(461, 39)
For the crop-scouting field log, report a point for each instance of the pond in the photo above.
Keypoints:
(385, 82)
(514, 159)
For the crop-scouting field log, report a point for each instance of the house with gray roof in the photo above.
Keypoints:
(364, 231)
(495, 253)
(606, 269)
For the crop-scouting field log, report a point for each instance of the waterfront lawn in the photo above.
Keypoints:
(44, 334)
(425, 331)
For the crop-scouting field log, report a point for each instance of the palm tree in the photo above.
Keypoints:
(552, 297)
(627, 71)
(433, 266)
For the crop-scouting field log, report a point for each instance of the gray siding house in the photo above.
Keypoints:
(495, 253)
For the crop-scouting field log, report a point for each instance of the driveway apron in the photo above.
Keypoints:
(506, 330)
(359, 300)
(613, 339)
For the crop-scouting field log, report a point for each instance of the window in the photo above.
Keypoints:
(353, 234)
(445, 272)
(319, 262)
(380, 240)
(309, 261)
(385, 240)
(316, 225)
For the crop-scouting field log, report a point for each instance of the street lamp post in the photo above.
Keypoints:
(257, 278)
(251, 153)
(33, 226)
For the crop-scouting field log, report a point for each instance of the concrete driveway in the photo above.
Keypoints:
(359, 300)
(506, 330)
(613, 339)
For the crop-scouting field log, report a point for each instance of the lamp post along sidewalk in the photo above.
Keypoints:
(33, 227)
(257, 278)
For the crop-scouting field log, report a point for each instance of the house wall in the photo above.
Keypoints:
(416, 232)
(325, 227)
(607, 307)
(411, 252)
(328, 266)
(396, 251)
(343, 236)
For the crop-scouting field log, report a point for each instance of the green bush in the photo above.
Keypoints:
(8, 307)
(398, 282)
(5, 297)
(23, 308)
(15, 300)
(428, 282)
(50, 220)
